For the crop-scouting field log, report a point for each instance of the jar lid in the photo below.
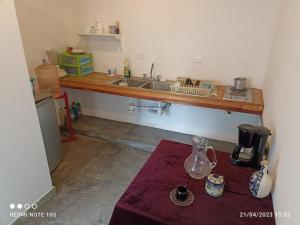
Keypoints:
(215, 179)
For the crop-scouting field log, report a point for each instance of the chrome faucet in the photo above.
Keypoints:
(151, 72)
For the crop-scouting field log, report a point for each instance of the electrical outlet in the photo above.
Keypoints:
(197, 59)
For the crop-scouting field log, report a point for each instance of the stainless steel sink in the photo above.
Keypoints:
(157, 85)
(131, 82)
(153, 85)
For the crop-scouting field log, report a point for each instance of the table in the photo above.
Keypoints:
(146, 201)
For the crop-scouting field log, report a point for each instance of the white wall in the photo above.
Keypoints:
(281, 91)
(232, 36)
(24, 174)
(44, 25)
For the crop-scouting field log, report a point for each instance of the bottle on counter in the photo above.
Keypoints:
(127, 72)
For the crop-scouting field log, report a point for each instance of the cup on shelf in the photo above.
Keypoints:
(113, 29)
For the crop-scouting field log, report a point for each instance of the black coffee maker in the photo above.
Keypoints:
(251, 147)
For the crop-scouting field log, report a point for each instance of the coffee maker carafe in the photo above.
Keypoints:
(251, 147)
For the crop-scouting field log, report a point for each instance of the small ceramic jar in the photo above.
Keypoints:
(214, 185)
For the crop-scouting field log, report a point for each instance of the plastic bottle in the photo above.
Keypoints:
(78, 107)
(74, 110)
(127, 72)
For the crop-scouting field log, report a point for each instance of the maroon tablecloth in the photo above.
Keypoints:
(146, 201)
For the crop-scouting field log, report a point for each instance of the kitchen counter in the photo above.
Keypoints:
(100, 82)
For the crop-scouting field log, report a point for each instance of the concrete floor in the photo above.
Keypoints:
(98, 167)
(90, 180)
(137, 136)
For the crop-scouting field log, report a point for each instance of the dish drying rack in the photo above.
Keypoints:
(206, 88)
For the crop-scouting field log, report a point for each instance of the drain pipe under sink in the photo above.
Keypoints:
(159, 109)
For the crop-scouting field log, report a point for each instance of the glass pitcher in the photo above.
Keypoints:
(197, 164)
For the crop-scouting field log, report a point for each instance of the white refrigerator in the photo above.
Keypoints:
(50, 130)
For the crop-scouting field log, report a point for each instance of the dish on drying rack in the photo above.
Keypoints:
(202, 88)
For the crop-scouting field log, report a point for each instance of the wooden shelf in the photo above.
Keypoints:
(116, 36)
(100, 82)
